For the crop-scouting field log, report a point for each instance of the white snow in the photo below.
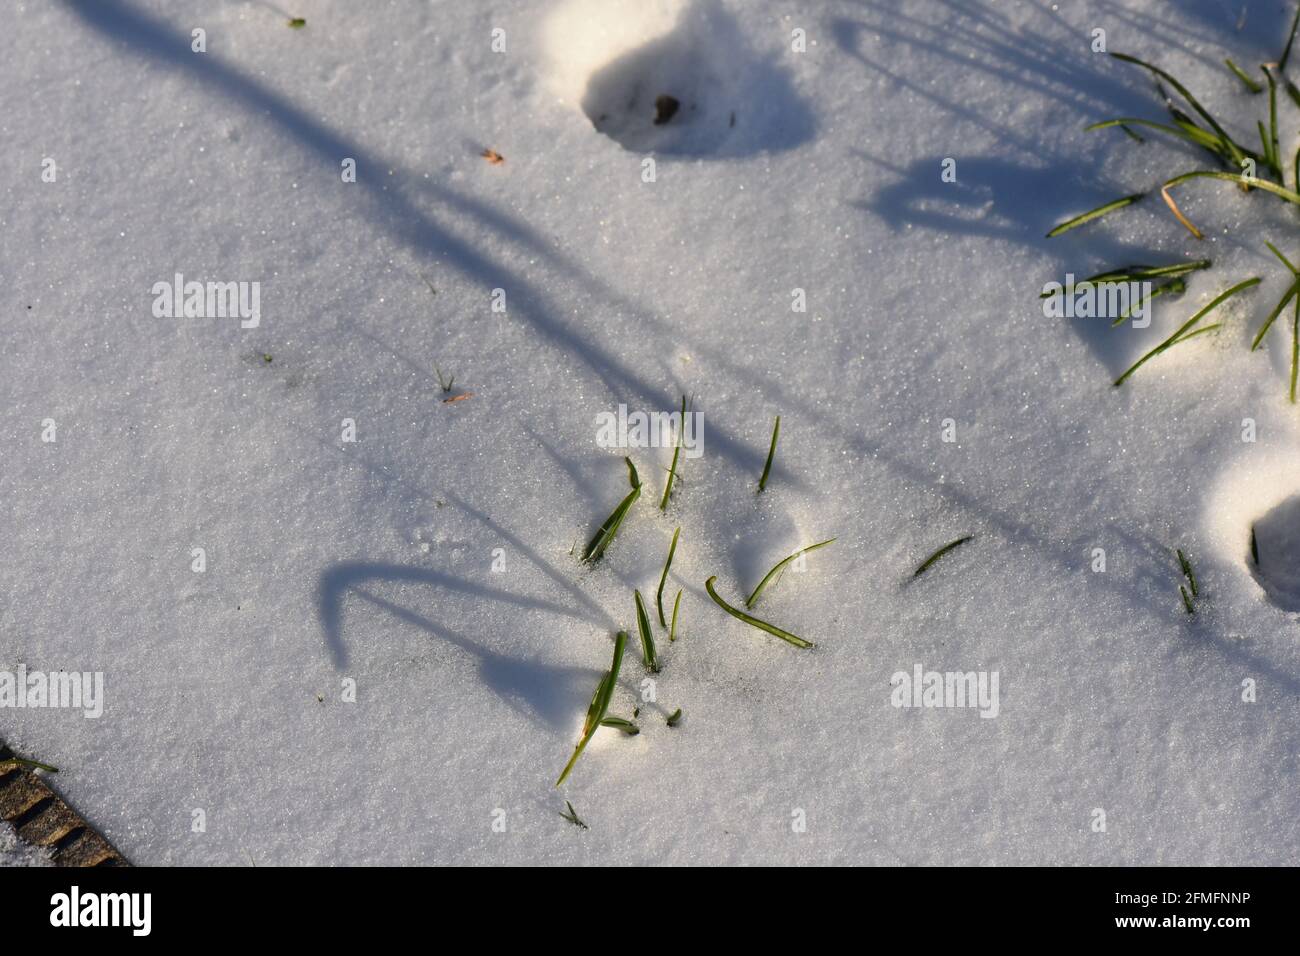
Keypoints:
(371, 561)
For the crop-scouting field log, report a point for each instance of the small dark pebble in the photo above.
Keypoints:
(666, 108)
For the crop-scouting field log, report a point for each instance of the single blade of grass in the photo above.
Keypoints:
(749, 601)
(297, 23)
(1187, 602)
(672, 472)
(572, 816)
(600, 541)
(618, 723)
(925, 565)
(672, 630)
(1286, 53)
(663, 578)
(1282, 258)
(771, 451)
(1139, 273)
(674, 718)
(1272, 316)
(1186, 567)
(648, 655)
(1252, 85)
(739, 615)
(599, 704)
(1227, 140)
(1295, 349)
(1273, 151)
(1173, 287)
(11, 763)
(1092, 214)
(1184, 331)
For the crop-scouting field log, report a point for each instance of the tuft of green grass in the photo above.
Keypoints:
(649, 657)
(1092, 214)
(672, 472)
(10, 763)
(778, 568)
(739, 615)
(663, 578)
(1226, 143)
(950, 546)
(605, 534)
(1187, 330)
(771, 452)
(672, 630)
(572, 816)
(675, 717)
(599, 704)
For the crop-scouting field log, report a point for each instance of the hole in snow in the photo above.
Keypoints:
(1277, 542)
(674, 76)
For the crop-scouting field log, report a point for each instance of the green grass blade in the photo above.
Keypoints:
(1250, 84)
(1282, 258)
(951, 545)
(749, 601)
(1186, 567)
(1092, 214)
(648, 655)
(572, 816)
(1228, 143)
(672, 472)
(771, 451)
(1187, 602)
(600, 704)
(674, 718)
(1174, 287)
(753, 621)
(1272, 316)
(663, 578)
(1295, 349)
(1184, 331)
(618, 723)
(672, 630)
(10, 763)
(1286, 54)
(605, 534)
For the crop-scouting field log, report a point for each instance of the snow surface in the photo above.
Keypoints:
(372, 561)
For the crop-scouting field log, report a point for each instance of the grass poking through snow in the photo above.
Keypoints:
(1092, 214)
(1188, 329)
(600, 541)
(663, 578)
(599, 704)
(950, 546)
(649, 656)
(771, 453)
(739, 615)
(779, 567)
